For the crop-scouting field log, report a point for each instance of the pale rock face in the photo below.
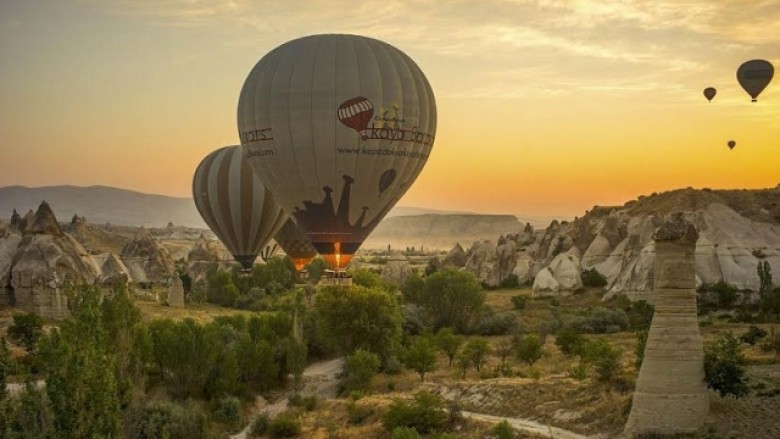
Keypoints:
(566, 270)
(204, 250)
(9, 241)
(545, 283)
(43, 267)
(492, 263)
(147, 260)
(524, 268)
(113, 272)
(176, 293)
(397, 269)
(456, 257)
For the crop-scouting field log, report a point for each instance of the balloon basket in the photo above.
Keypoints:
(245, 272)
(331, 277)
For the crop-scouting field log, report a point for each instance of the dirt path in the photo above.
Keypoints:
(319, 379)
(528, 425)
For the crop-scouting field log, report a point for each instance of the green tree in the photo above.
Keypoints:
(503, 430)
(592, 278)
(413, 288)
(765, 278)
(529, 349)
(724, 366)
(421, 356)
(360, 368)
(569, 341)
(30, 415)
(122, 318)
(81, 365)
(453, 298)
(26, 330)
(448, 342)
(604, 358)
(639, 350)
(356, 317)
(6, 367)
(725, 293)
(425, 413)
(316, 268)
(477, 351)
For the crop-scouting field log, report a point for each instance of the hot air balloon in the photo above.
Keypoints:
(732, 144)
(710, 93)
(337, 127)
(754, 76)
(295, 243)
(235, 205)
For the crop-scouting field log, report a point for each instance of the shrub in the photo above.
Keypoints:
(602, 321)
(640, 314)
(491, 323)
(639, 350)
(592, 278)
(753, 335)
(519, 302)
(503, 430)
(413, 319)
(475, 352)
(26, 330)
(310, 402)
(725, 294)
(284, 426)
(357, 413)
(360, 368)
(604, 357)
(773, 341)
(529, 349)
(510, 282)
(260, 425)
(448, 342)
(421, 357)
(229, 411)
(569, 341)
(724, 367)
(405, 433)
(425, 413)
(579, 372)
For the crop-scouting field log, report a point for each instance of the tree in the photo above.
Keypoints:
(26, 330)
(448, 342)
(592, 278)
(765, 278)
(6, 367)
(425, 413)
(477, 350)
(421, 356)
(355, 317)
(604, 358)
(121, 318)
(360, 368)
(453, 298)
(639, 350)
(725, 293)
(529, 349)
(724, 367)
(81, 366)
(413, 288)
(569, 341)
(316, 268)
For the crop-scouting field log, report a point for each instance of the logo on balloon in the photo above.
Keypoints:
(357, 113)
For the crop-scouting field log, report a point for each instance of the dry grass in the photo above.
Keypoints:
(204, 313)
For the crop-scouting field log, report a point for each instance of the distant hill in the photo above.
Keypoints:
(103, 204)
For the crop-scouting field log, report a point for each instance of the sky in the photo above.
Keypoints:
(546, 107)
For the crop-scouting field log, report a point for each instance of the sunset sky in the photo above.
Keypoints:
(546, 107)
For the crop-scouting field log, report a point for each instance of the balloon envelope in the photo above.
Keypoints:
(295, 243)
(337, 127)
(732, 144)
(710, 93)
(754, 76)
(235, 205)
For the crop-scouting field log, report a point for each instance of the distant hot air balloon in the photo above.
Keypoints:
(754, 76)
(732, 144)
(710, 93)
(297, 246)
(235, 205)
(309, 129)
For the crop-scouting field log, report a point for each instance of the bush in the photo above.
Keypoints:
(491, 323)
(529, 349)
(592, 278)
(360, 368)
(569, 341)
(357, 413)
(421, 357)
(229, 411)
(260, 425)
(640, 315)
(503, 430)
(425, 413)
(724, 367)
(26, 330)
(602, 321)
(604, 357)
(753, 335)
(448, 342)
(476, 352)
(413, 319)
(284, 426)
(773, 342)
(510, 282)
(639, 350)
(405, 433)
(579, 372)
(519, 302)
(725, 294)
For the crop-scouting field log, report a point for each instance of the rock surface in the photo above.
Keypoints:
(671, 396)
(456, 257)
(147, 260)
(397, 269)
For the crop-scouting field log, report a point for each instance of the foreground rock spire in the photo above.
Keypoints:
(671, 396)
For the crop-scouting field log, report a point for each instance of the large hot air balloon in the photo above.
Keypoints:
(732, 144)
(295, 243)
(710, 93)
(754, 76)
(235, 205)
(337, 127)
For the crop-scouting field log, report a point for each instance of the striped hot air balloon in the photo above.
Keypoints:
(235, 205)
(338, 127)
(295, 244)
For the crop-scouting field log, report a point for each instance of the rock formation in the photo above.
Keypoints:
(204, 250)
(46, 262)
(671, 396)
(176, 293)
(146, 259)
(566, 273)
(9, 241)
(456, 257)
(492, 263)
(113, 272)
(397, 269)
